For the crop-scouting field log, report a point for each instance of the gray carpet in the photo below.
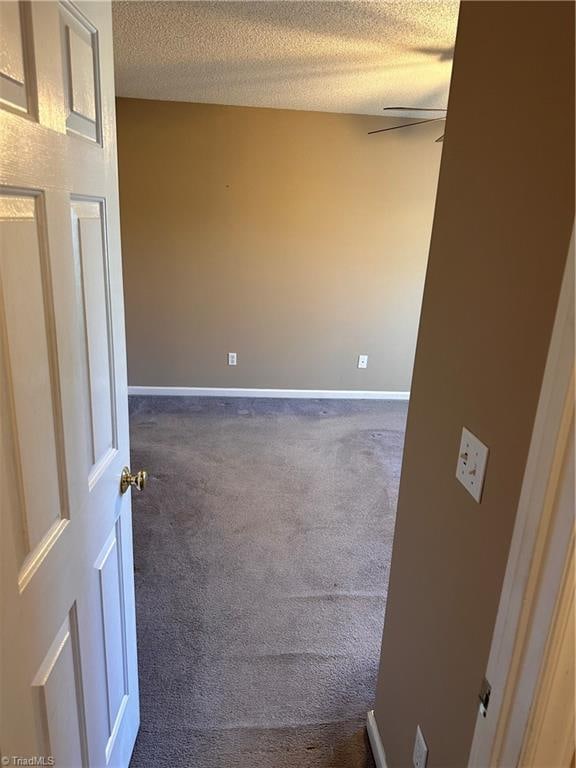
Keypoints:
(262, 549)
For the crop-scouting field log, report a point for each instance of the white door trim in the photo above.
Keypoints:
(550, 734)
(538, 553)
(315, 394)
(375, 741)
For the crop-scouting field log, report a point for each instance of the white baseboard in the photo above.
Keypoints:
(375, 741)
(315, 394)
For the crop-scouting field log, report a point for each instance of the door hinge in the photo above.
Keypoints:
(484, 696)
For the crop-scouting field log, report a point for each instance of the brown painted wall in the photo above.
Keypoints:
(500, 238)
(291, 238)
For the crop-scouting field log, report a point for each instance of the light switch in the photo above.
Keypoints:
(471, 467)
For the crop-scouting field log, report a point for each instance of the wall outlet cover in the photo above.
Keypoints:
(232, 358)
(420, 756)
(362, 361)
(471, 466)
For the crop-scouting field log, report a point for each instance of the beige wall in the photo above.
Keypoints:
(291, 238)
(500, 238)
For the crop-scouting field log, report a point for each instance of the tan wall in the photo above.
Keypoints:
(291, 238)
(499, 243)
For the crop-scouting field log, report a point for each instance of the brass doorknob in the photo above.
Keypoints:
(138, 480)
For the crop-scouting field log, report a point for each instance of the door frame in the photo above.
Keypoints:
(549, 738)
(542, 542)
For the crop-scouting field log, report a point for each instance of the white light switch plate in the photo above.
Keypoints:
(471, 467)
(232, 358)
(362, 361)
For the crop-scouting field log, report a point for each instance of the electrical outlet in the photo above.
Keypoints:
(471, 466)
(362, 361)
(232, 358)
(420, 755)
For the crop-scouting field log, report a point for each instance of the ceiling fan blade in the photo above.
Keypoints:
(407, 125)
(439, 139)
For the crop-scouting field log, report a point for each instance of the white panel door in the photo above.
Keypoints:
(69, 686)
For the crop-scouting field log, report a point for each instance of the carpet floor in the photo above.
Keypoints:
(262, 549)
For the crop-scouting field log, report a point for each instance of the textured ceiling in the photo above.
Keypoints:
(339, 56)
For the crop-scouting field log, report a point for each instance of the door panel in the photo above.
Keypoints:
(12, 55)
(69, 682)
(32, 373)
(81, 73)
(112, 597)
(92, 264)
(58, 694)
(14, 69)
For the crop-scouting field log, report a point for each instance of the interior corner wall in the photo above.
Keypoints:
(504, 213)
(291, 238)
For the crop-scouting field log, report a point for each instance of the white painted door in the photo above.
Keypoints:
(69, 687)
